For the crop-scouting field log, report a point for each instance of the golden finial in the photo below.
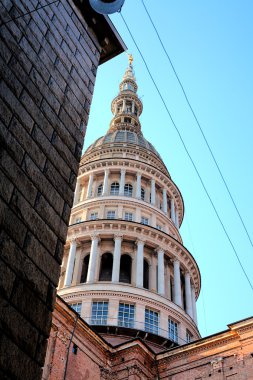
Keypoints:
(130, 59)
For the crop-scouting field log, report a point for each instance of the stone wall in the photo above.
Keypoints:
(48, 63)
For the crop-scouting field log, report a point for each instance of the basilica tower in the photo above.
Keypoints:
(125, 269)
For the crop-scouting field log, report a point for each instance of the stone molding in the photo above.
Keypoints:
(173, 250)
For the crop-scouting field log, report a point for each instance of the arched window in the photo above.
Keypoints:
(85, 269)
(125, 269)
(142, 194)
(114, 188)
(100, 190)
(106, 267)
(128, 190)
(145, 274)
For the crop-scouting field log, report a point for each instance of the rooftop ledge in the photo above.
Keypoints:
(105, 33)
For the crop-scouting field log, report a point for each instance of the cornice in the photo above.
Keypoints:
(126, 201)
(158, 303)
(162, 179)
(131, 230)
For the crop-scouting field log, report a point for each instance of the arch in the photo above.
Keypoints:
(142, 194)
(125, 274)
(100, 190)
(85, 266)
(106, 267)
(114, 188)
(128, 190)
(145, 274)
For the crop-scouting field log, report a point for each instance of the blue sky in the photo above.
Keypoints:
(210, 44)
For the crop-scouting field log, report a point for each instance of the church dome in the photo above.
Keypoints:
(125, 268)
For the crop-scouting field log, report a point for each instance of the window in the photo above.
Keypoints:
(127, 120)
(128, 216)
(142, 194)
(126, 315)
(110, 215)
(99, 313)
(144, 220)
(188, 336)
(114, 188)
(128, 190)
(100, 190)
(78, 220)
(159, 227)
(77, 307)
(173, 330)
(120, 136)
(151, 321)
(93, 216)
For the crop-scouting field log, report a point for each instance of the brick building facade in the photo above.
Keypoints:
(49, 55)
(77, 351)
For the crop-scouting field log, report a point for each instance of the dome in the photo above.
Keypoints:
(121, 136)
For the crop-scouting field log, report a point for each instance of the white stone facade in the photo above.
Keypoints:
(124, 263)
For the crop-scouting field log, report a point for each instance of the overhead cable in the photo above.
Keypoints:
(188, 153)
(199, 126)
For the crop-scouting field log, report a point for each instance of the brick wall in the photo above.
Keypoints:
(48, 64)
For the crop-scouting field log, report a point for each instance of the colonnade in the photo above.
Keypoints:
(138, 187)
(190, 303)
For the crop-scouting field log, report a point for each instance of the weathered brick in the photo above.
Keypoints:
(7, 95)
(5, 52)
(59, 183)
(43, 184)
(71, 125)
(30, 217)
(42, 257)
(66, 213)
(6, 187)
(58, 126)
(36, 311)
(10, 322)
(51, 153)
(12, 224)
(15, 48)
(48, 214)
(12, 359)
(17, 176)
(27, 143)
(5, 113)
(9, 142)
(23, 266)
(25, 80)
(37, 115)
(41, 350)
(64, 152)
(6, 281)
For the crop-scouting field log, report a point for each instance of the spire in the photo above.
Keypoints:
(127, 107)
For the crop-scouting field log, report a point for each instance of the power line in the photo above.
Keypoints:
(187, 152)
(28, 13)
(199, 126)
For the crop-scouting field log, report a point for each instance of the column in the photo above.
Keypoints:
(177, 220)
(93, 258)
(152, 191)
(70, 264)
(90, 183)
(188, 294)
(122, 181)
(77, 191)
(194, 309)
(138, 185)
(116, 258)
(105, 184)
(160, 257)
(152, 274)
(165, 203)
(139, 263)
(172, 213)
(132, 107)
(177, 284)
(124, 105)
(168, 283)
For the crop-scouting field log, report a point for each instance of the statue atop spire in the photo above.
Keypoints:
(130, 59)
